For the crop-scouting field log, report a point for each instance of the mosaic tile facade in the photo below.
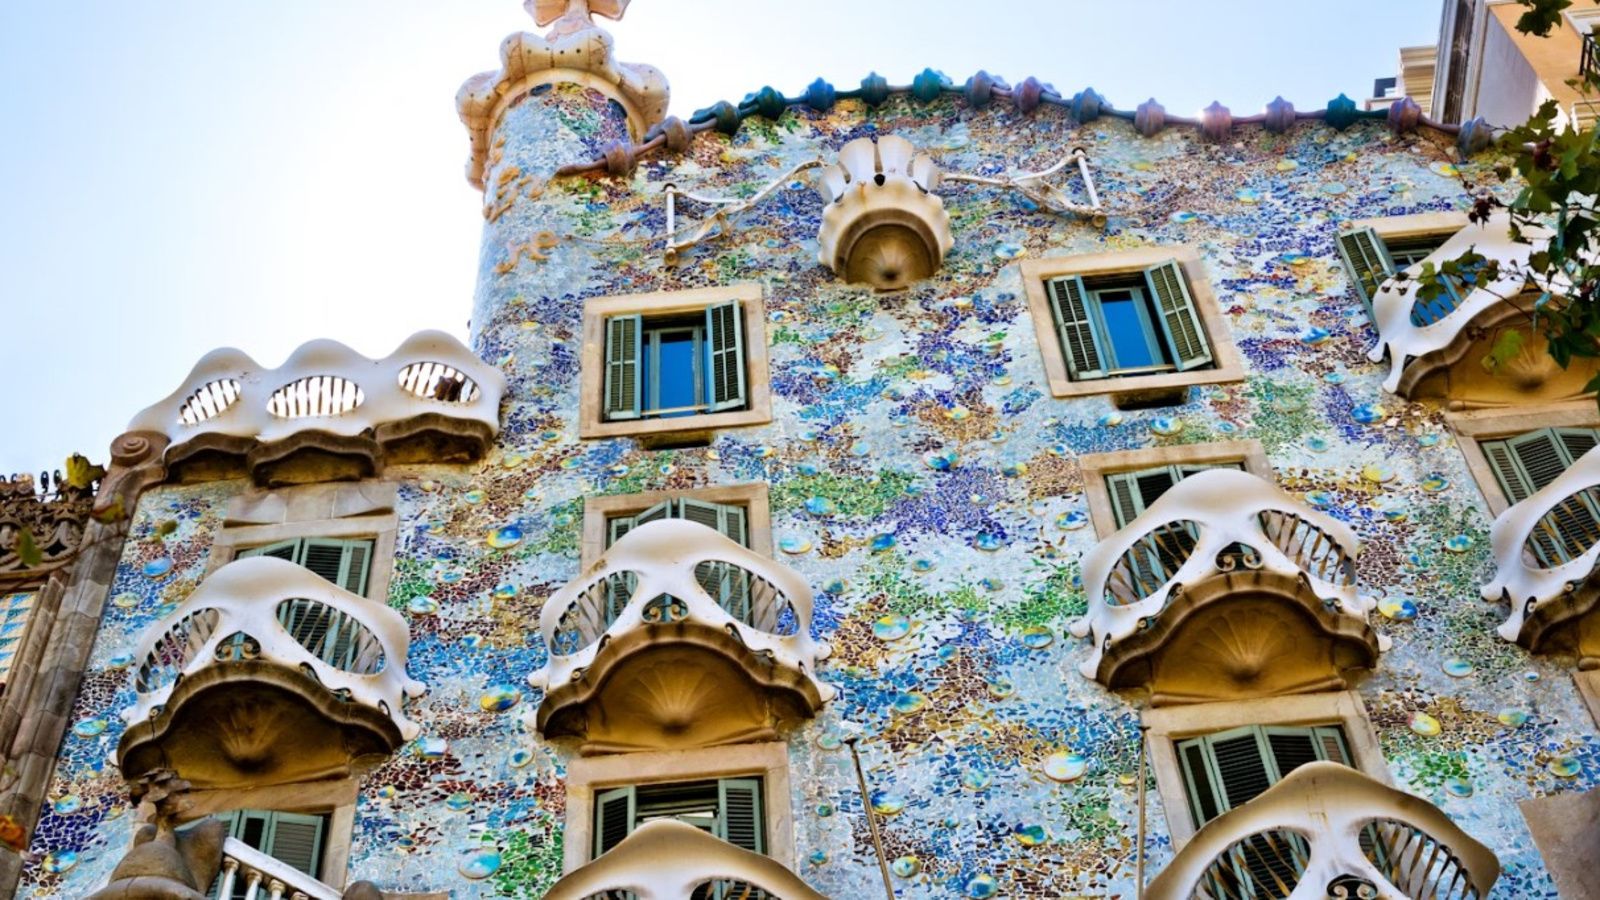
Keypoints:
(927, 486)
(14, 609)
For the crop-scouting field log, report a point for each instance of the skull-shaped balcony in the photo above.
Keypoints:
(328, 413)
(1546, 549)
(1324, 831)
(1226, 588)
(268, 674)
(1437, 344)
(670, 860)
(678, 637)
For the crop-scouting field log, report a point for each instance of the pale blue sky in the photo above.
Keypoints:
(186, 174)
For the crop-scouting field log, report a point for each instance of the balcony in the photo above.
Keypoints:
(678, 637)
(1545, 551)
(328, 413)
(1326, 830)
(1226, 588)
(669, 860)
(268, 674)
(1589, 59)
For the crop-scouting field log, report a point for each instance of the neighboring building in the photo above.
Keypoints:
(1088, 471)
(1484, 68)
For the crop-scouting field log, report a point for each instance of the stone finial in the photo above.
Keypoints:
(1150, 118)
(1404, 115)
(1216, 122)
(1475, 137)
(575, 51)
(883, 224)
(1341, 113)
(1087, 105)
(1027, 95)
(979, 90)
(1280, 115)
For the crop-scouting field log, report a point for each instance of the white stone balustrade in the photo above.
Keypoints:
(265, 878)
(1392, 305)
(366, 641)
(1553, 522)
(656, 574)
(1326, 826)
(667, 860)
(1209, 524)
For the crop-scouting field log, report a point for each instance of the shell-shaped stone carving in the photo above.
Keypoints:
(883, 224)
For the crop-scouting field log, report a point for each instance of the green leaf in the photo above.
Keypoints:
(81, 474)
(27, 550)
(1506, 347)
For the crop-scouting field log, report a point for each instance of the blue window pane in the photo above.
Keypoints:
(1129, 330)
(675, 379)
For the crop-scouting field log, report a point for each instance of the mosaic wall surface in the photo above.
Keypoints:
(927, 486)
(14, 609)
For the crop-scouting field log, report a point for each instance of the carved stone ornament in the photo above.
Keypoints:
(1303, 838)
(164, 863)
(53, 525)
(228, 696)
(326, 414)
(678, 637)
(1226, 588)
(1553, 604)
(577, 51)
(883, 225)
(667, 860)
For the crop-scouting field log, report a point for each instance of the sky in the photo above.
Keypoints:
(190, 174)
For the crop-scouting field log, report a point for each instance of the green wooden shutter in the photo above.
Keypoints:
(1291, 749)
(289, 550)
(1330, 745)
(613, 817)
(1578, 441)
(725, 347)
(624, 350)
(666, 509)
(739, 813)
(1205, 802)
(1126, 502)
(1080, 341)
(1367, 262)
(616, 527)
(1241, 765)
(1541, 456)
(1507, 472)
(295, 840)
(1180, 320)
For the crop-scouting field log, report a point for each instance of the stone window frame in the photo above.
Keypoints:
(1473, 427)
(335, 799)
(589, 775)
(591, 407)
(1096, 466)
(363, 510)
(1400, 228)
(754, 497)
(1228, 366)
(1164, 727)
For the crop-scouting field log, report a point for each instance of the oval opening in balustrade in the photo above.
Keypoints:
(747, 598)
(1566, 532)
(1309, 547)
(315, 396)
(437, 381)
(332, 635)
(1415, 862)
(1151, 562)
(589, 614)
(174, 650)
(1267, 864)
(210, 400)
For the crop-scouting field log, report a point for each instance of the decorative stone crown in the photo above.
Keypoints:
(883, 224)
(575, 51)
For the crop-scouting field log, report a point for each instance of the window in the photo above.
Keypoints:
(1526, 463)
(675, 361)
(727, 808)
(1371, 260)
(344, 562)
(1142, 325)
(1122, 484)
(727, 518)
(740, 511)
(291, 838)
(335, 638)
(1228, 769)
(1132, 492)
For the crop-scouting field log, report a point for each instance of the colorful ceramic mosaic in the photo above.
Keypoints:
(927, 486)
(14, 609)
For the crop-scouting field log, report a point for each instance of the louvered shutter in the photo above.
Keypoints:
(613, 818)
(1330, 745)
(739, 813)
(1540, 455)
(323, 630)
(616, 527)
(1180, 320)
(663, 510)
(1205, 803)
(1126, 500)
(289, 550)
(1577, 441)
(1240, 765)
(295, 840)
(623, 376)
(1512, 481)
(1367, 262)
(1080, 342)
(725, 346)
(1292, 748)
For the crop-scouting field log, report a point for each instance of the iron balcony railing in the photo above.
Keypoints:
(1589, 60)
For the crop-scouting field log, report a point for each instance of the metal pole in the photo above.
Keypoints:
(872, 820)
(1088, 180)
(1139, 850)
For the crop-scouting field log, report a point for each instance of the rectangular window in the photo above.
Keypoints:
(1370, 259)
(728, 584)
(727, 808)
(334, 637)
(1526, 463)
(1159, 556)
(669, 366)
(1137, 323)
(346, 563)
(294, 839)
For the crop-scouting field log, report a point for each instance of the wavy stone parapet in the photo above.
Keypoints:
(667, 860)
(1404, 340)
(1311, 824)
(1544, 598)
(643, 656)
(429, 401)
(1202, 518)
(228, 635)
(883, 223)
(576, 50)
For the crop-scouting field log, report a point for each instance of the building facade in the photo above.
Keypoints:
(971, 488)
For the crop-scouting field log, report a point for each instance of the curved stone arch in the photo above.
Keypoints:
(667, 860)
